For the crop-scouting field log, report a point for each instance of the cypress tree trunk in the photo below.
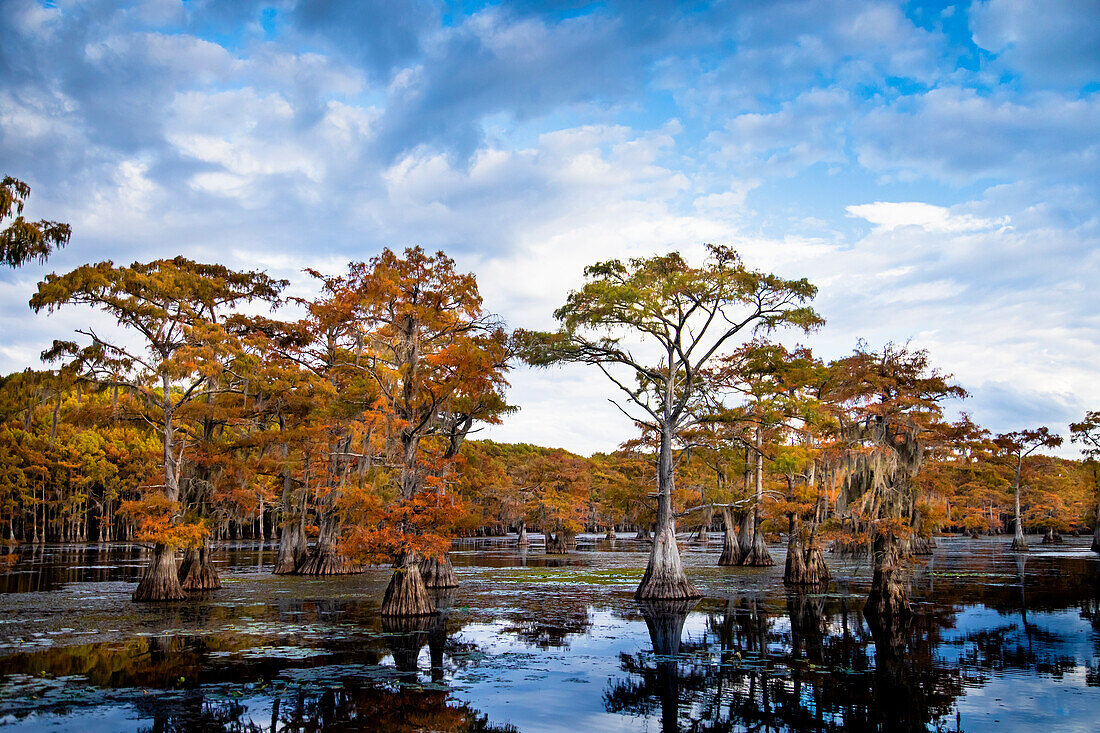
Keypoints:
(664, 577)
(642, 533)
(919, 544)
(794, 570)
(406, 594)
(325, 559)
(887, 609)
(197, 571)
(758, 555)
(704, 528)
(560, 543)
(292, 549)
(1019, 544)
(744, 536)
(922, 545)
(611, 536)
(817, 572)
(731, 549)
(160, 581)
(1051, 537)
(293, 544)
(1096, 533)
(438, 573)
(521, 539)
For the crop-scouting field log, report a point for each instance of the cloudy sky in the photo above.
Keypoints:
(934, 168)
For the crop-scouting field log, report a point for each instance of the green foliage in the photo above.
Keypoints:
(21, 240)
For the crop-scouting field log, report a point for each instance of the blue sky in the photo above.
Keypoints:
(933, 167)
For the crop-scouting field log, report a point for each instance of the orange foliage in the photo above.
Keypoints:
(158, 520)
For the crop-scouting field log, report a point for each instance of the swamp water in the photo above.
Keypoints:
(537, 643)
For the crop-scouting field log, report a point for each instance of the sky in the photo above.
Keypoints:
(933, 168)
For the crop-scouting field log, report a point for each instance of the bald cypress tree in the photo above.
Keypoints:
(174, 307)
(23, 240)
(683, 315)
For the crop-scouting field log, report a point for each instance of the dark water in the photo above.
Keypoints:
(533, 643)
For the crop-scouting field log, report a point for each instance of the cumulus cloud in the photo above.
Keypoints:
(1050, 43)
(887, 215)
(959, 136)
(931, 201)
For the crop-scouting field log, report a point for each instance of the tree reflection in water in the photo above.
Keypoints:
(315, 657)
(366, 709)
(662, 682)
(172, 682)
(751, 671)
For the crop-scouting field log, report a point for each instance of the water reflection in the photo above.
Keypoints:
(657, 683)
(752, 669)
(369, 708)
(997, 639)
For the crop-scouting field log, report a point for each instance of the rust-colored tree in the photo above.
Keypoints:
(173, 306)
(437, 361)
(1087, 434)
(1016, 447)
(560, 489)
(890, 402)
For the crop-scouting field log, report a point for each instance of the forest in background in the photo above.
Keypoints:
(345, 433)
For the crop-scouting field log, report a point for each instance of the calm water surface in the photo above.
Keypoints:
(536, 643)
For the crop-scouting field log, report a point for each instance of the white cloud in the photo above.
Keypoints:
(807, 130)
(528, 146)
(958, 135)
(1051, 42)
(887, 216)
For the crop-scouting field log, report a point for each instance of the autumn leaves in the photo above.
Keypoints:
(344, 428)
